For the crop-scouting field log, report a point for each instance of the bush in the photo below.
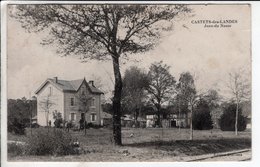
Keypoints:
(58, 123)
(58, 119)
(55, 142)
(35, 125)
(81, 124)
(228, 119)
(16, 126)
(15, 149)
(91, 125)
(201, 118)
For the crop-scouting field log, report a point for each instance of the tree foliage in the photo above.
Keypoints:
(201, 117)
(177, 106)
(187, 92)
(228, 119)
(240, 90)
(107, 107)
(19, 114)
(161, 87)
(135, 84)
(57, 116)
(238, 86)
(213, 98)
(187, 89)
(94, 31)
(101, 32)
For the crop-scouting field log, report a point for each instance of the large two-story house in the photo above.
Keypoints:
(74, 100)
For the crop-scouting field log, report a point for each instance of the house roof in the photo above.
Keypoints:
(72, 85)
(106, 115)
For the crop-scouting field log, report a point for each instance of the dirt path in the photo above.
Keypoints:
(239, 155)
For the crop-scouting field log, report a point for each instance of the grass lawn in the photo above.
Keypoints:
(153, 144)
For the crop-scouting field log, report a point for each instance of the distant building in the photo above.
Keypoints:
(127, 120)
(246, 111)
(106, 119)
(64, 96)
(169, 119)
(179, 120)
(150, 120)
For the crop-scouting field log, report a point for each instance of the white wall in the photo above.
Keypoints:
(56, 98)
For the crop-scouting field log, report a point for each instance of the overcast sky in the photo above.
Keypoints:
(210, 53)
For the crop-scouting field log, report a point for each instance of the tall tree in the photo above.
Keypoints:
(162, 86)
(102, 32)
(201, 117)
(240, 90)
(19, 113)
(135, 84)
(213, 99)
(188, 94)
(228, 118)
(20, 108)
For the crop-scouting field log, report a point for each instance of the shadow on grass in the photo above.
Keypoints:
(196, 147)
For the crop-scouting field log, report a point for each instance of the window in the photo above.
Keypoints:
(72, 101)
(83, 90)
(149, 116)
(72, 116)
(83, 116)
(93, 102)
(93, 117)
(50, 89)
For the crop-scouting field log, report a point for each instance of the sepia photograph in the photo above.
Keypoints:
(128, 82)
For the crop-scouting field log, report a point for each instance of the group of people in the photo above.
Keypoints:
(68, 124)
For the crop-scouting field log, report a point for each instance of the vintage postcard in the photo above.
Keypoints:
(127, 82)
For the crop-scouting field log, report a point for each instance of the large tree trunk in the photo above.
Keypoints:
(117, 103)
(159, 119)
(159, 115)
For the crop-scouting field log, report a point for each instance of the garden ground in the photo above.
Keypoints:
(155, 144)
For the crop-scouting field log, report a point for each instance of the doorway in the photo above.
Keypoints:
(173, 123)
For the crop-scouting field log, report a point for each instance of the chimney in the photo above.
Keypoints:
(55, 79)
(91, 82)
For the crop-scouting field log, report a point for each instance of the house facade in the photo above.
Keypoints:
(172, 120)
(74, 100)
(170, 117)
